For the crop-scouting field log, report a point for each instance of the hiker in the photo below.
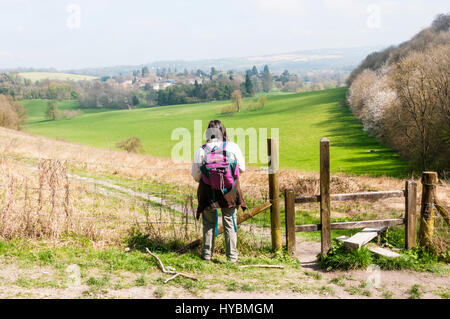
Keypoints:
(216, 167)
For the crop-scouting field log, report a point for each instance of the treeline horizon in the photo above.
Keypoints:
(402, 96)
(130, 90)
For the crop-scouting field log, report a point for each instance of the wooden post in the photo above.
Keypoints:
(325, 195)
(410, 214)
(426, 231)
(289, 208)
(274, 194)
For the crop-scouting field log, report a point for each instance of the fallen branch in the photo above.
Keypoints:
(262, 266)
(164, 270)
(169, 279)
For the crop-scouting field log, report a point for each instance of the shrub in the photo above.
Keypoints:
(71, 114)
(12, 114)
(52, 112)
(262, 101)
(131, 144)
(339, 257)
(228, 109)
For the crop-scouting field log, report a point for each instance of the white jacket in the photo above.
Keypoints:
(231, 147)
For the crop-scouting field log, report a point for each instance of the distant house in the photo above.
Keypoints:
(142, 82)
(126, 84)
(163, 84)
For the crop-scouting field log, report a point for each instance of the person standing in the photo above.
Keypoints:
(216, 167)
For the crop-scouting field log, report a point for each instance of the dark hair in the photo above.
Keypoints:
(212, 132)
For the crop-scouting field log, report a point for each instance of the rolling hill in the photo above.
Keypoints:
(38, 76)
(302, 120)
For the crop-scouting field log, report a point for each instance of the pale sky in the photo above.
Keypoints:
(90, 33)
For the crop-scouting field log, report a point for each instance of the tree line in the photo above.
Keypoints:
(402, 96)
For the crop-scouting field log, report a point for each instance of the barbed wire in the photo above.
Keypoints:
(94, 163)
(113, 165)
(77, 189)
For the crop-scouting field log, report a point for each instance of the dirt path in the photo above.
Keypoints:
(306, 282)
(396, 282)
(312, 282)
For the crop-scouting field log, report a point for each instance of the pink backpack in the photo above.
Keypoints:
(220, 171)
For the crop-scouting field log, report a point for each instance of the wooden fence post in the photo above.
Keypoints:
(325, 195)
(426, 230)
(274, 194)
(289, 208)
(410, 214)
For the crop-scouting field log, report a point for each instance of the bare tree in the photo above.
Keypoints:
(422, 85)
(236, 98)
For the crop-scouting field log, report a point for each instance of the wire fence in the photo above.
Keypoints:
(39, 197)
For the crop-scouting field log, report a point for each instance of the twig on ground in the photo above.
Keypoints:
(170, 272)
(262, 266)
(169, 279)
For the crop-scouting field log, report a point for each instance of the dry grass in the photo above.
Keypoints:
(103, 218)
(44, 203)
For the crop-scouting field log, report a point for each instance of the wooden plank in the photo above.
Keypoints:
(289, 207)
(410, 214)
(274, 193)
(367, 195)
(382, 251)
(362, 238)
(342, 238)
(352, 196)
(354, 225)
(307, 199)
(325, 196)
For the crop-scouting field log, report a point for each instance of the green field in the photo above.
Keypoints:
(36, 109)
(303, 119)
(38, 76)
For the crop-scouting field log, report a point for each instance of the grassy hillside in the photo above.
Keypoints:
(37, 76)
(302, 120)
(36, 109)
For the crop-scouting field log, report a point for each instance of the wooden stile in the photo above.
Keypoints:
(353, 225)
(325, 195)
(352, 196)
(274, 194)
(410, 214)
(289, 207)
(362, 238)
(426, 231)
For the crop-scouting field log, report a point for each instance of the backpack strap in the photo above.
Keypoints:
(217, 213)
(206, 148)
(232, 216)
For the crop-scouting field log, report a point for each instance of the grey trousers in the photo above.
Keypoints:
(209, 232)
